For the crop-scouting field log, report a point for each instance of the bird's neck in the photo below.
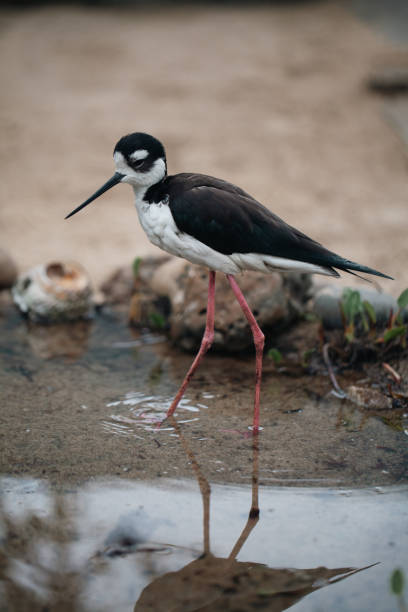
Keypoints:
(140, 191)
(150, 194)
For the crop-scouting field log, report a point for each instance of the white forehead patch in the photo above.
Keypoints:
(154, 175)
(120, 163)
(139, 155)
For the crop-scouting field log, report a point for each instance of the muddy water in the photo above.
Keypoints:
(101, 509)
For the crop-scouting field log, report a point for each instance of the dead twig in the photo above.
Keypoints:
(338, 390)
(393, 373)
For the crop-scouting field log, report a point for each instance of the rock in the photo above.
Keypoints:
(119, 288)
(390, 80)
(145, 306)
(54, 292)
(8, 270)
(326, 305)
(174, 292)
(164, 280)
(371, 399)
(276, 300)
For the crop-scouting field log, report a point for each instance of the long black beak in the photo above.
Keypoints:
(116, 178)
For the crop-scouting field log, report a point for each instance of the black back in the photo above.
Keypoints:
(229, 220)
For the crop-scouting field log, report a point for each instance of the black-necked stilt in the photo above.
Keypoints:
(213, 223)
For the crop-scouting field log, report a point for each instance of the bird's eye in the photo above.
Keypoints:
(138, 163)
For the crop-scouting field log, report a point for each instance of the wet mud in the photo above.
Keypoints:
(93, 410)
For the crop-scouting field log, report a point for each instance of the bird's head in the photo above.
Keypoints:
(140, 160)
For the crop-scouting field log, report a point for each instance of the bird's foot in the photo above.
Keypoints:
(246, 434)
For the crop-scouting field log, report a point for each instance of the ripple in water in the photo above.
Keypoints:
(145, 412)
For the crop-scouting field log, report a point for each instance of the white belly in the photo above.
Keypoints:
(158, 223)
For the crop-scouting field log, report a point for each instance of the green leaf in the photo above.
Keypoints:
(392, 424)
(355, 304)
(368, 307)
(311, 317)
(275, 354)
(157, 320)
(306, 356)
(364, 321)
(136, 265)
(394, 332)
(397, 582)
(403, 300)
(266, 593)
(345, 303)
(351, 303)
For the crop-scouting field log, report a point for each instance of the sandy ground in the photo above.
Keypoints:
(271, 98)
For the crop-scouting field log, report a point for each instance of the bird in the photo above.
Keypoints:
(216, 224)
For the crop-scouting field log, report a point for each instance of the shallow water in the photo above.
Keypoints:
(101, 546)
(83, 400)
(99, 505)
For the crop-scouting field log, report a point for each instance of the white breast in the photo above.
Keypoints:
(158, 223)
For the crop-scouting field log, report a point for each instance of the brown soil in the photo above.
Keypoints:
(271, 98)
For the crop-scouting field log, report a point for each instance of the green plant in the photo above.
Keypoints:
(396, 328)
(354, 310)
(397, 585)
(157, 320)
(275, 354)
(397, 582)
(136, 266)
(306, 357)
(359, 318)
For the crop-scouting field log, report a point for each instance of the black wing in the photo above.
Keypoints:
(228, 220)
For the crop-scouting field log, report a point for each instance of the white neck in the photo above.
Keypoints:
(139, 191)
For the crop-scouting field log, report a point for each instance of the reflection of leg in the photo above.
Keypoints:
(253, 516)
(259, 341)
(205, 343)
(203, 483)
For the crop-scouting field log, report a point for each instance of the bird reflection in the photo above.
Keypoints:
(211, 583)
(59, 340)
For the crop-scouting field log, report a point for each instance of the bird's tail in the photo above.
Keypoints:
(352, 267)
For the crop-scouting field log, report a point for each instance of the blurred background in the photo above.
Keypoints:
(303, 104)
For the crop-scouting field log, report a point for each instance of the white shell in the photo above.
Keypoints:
(57, 291)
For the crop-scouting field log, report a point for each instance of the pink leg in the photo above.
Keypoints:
(205, 343)
(259, 341)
